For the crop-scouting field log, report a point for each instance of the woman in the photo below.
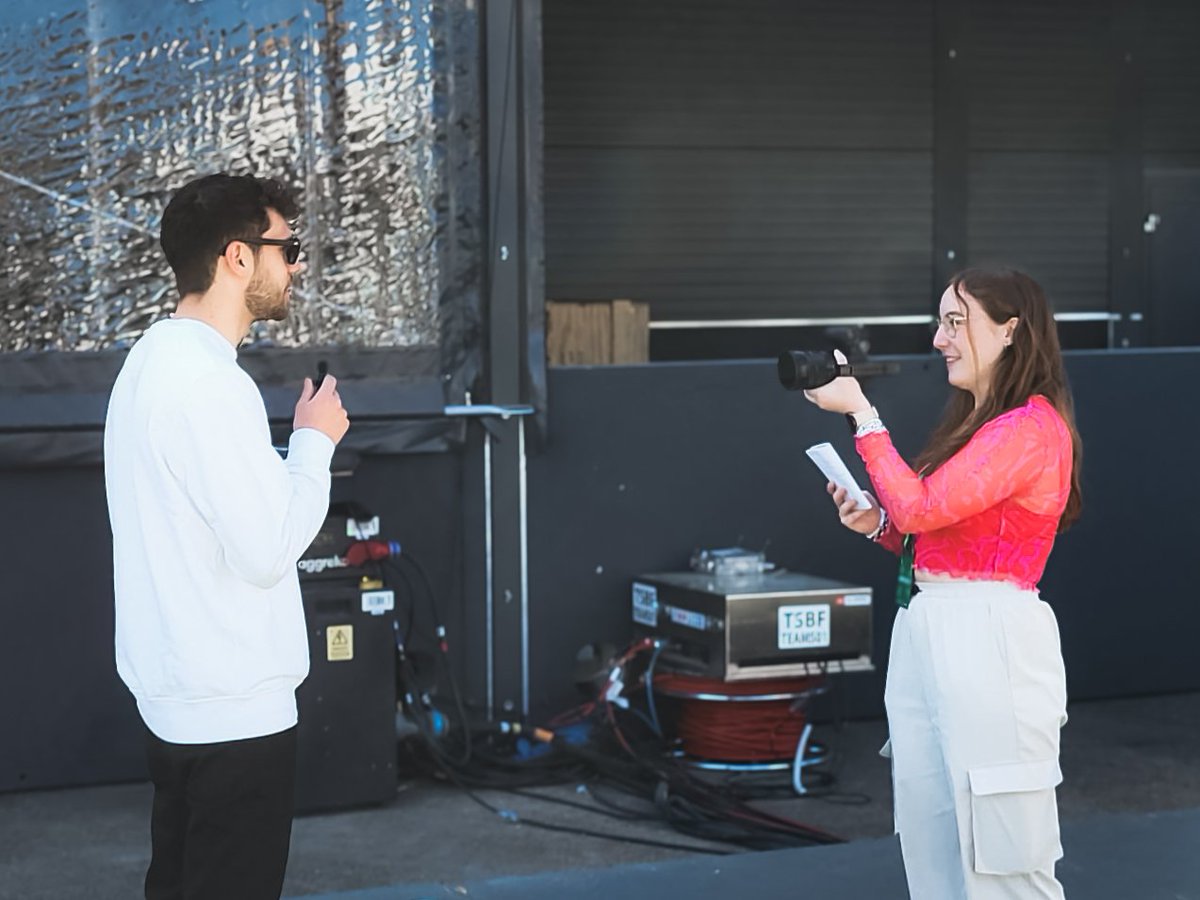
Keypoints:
(976, 692)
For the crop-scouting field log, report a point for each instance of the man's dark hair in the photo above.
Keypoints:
(209, 212)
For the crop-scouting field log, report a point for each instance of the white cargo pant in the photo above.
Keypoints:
(976, 695)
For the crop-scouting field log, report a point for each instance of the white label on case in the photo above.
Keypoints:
(688, 618)
(801, 627)
(645, 604)
(378, 602)
(367, 528)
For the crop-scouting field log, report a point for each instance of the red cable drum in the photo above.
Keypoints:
(745, 721)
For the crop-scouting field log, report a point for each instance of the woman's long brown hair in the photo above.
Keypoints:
(1031, 365)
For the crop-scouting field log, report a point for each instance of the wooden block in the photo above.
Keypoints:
(630, 332)
(578, 334)
(598, 333)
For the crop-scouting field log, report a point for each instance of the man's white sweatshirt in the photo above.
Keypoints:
(208, 522)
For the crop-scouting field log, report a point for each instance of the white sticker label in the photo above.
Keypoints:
(801, 627)
(688, 618)
(645, 604)
(362, 530)
(857, 600)
(378, 602)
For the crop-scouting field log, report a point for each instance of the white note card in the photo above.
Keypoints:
(835, 470)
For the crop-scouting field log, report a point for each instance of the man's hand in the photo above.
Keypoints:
(321, 409)
(863, 521)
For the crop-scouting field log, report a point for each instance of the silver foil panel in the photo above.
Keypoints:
(108, 106)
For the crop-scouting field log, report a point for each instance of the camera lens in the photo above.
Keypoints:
(802, 370)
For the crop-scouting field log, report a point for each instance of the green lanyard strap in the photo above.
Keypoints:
(905, 588)
(904, 581)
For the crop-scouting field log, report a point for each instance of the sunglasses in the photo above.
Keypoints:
(290, 245)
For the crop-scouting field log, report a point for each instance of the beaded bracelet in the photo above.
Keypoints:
(881, 528)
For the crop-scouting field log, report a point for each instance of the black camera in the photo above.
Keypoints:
(803, 370)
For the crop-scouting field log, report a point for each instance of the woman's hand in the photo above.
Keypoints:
(842, 395)
(862, 521)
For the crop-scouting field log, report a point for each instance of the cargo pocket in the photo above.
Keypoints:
(1014, 817)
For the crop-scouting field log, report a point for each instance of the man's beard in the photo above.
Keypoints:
(265, 302)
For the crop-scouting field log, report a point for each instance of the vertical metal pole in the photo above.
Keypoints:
(506, 330)
(505, 554)
(524, 572)
(510, 29)
(487, 554)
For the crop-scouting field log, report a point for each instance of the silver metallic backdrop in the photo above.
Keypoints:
(107, 106)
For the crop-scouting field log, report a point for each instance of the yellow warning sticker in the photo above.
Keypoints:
(339, 642)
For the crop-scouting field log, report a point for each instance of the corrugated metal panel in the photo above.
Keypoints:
(1040, 118)
(1046, 214)
(762, 158)
(1039, 74)
(727, 233)
(756, 73)
(1171, 67)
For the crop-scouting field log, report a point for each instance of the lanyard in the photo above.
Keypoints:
(904, 581)
(905, 588)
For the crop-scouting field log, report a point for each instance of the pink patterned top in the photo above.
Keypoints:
(991, 511)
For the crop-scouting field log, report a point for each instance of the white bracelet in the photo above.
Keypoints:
(870, 426)
(881, 527)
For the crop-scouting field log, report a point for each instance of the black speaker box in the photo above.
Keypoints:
(346, 754)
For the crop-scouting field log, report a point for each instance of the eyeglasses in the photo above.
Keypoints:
(949, 323)
(290, 245)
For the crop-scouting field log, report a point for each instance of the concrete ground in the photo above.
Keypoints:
(1129, 755)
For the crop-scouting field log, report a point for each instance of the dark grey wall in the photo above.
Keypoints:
(68, 718)
(647, 463)
(642, 465)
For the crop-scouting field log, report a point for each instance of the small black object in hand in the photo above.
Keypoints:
(803, 370)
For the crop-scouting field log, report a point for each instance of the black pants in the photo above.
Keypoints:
(222, 819)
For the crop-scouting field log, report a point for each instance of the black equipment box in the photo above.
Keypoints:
(346, 739)
(758, 625)
(324, 560)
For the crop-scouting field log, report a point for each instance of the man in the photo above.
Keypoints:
(208, 523)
